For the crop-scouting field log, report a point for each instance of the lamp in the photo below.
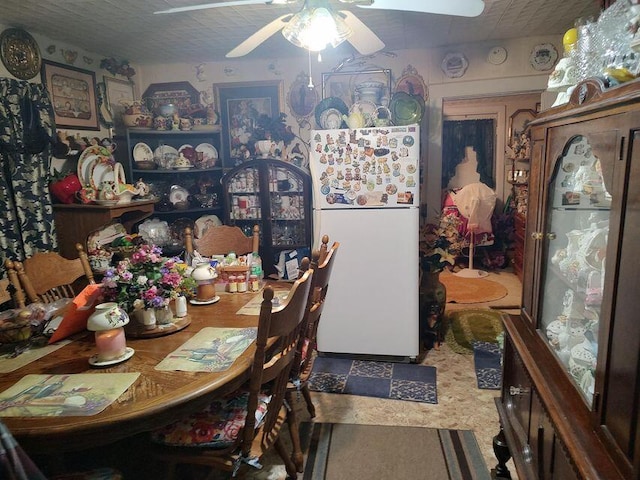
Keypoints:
(107, 322)
(316, 26)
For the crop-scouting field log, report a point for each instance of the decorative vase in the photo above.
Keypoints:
(433, 299)
(65, 190)
(164, 315)
(147, 317)
(263, 148)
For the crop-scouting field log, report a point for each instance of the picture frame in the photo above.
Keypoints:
(411, 82)
(344, 85)
(118, 94)
(240, 105)
(73, 95)
(182, 94)
(519, 121)
(302, 98)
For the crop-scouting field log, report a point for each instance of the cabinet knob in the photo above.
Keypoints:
(518, 390)
(551, 236)
(537, 235)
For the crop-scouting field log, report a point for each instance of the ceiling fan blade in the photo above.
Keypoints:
(260, 36)
(232, 3)
(460, 8)
(363, 39)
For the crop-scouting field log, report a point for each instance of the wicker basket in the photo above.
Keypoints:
(14, 328)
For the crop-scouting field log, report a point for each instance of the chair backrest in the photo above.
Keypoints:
(272, 364)
(47, 276)
(322, 265)
(5, 296)
(222, 239)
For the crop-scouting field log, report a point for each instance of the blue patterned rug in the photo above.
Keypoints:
(400, 381)
(486, 357)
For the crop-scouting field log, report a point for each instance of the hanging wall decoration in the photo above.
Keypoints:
(20, 54)
(411, 82)
(454, 65)
(73, 95)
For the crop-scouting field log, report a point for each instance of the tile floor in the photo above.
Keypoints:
(461, 405)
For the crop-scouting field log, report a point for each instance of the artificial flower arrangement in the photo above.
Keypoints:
(146, 279)
(440, 243)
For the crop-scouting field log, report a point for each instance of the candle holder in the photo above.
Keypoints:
(107, 322)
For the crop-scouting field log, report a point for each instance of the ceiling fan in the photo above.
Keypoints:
(295, 27)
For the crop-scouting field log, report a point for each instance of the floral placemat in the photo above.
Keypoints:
(81, 394)
(253, 306)
(10, 362)
(210, 350)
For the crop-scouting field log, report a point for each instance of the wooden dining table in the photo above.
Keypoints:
(156, 398)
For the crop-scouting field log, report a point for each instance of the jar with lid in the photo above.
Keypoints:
(242, 283)
(233, 284)
(254, 283)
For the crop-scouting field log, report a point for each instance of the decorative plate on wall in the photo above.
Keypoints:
(20, 53)
(454, 65)
(543, 57)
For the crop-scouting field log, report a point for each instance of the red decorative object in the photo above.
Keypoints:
(65, 190)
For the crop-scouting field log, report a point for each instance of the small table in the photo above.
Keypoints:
(156, 398)
(74, 222)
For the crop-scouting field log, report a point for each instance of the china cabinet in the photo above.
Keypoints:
(275, 195)
(187, 185)
(571, 381)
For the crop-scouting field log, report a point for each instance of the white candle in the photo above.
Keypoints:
(111, 344)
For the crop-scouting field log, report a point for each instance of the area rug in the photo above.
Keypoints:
(471, 290)
(399, 381)
(364, 452)
(486, 360)
(469, 325)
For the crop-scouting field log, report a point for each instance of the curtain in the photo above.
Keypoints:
(26, 221)
(457, 135)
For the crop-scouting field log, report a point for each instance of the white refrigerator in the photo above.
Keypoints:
(365, 196)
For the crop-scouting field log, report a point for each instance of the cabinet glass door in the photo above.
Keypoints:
(287, 206)
(577, 228)
(243, 202)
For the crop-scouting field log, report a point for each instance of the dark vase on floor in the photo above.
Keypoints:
(433, 298)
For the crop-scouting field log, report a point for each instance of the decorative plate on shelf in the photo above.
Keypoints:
(88, 158)
(406, 109)
(142, 152)
(165, 156)
(178, 194)
(330, 119)
(543, 57)
(20, 53)
(209, 155)
(333, 103)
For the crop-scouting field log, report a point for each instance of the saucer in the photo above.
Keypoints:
(128, 353)
(215, 299)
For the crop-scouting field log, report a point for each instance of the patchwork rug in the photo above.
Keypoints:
(486, 358)
(399, 381)
(365, 452)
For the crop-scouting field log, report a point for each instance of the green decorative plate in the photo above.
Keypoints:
(406, 109)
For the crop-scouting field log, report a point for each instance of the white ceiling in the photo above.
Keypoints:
(128, 29)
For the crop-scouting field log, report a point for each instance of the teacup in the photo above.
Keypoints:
(185, 124)
(86, 195)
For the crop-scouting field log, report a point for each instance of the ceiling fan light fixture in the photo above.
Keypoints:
(316, 27)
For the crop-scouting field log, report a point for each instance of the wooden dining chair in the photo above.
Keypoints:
(222, 239)
(322, 265)
(47, 276)
(238, 429)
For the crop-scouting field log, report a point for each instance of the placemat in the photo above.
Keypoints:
(81, 394)
(9, 363)
(210, 350)
(253, 306)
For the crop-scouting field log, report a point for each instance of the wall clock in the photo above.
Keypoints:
(543, 57)
(20, 54)
(497, 55)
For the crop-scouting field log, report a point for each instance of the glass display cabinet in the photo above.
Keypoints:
(571, 368)
(276, 195)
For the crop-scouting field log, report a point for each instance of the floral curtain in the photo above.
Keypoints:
(457, 135)
(26, 221)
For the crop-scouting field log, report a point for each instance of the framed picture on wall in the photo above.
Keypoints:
(118, 95)
(241, 104)
(73, 95)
